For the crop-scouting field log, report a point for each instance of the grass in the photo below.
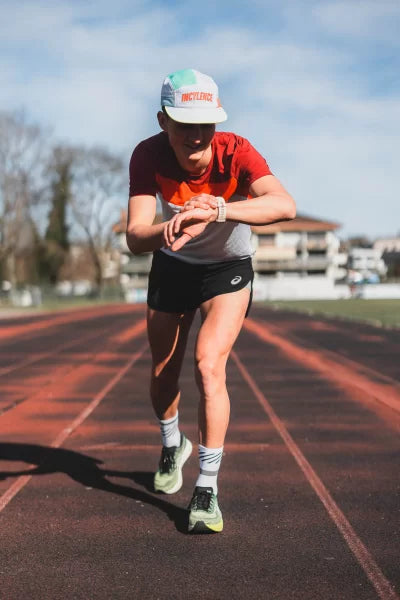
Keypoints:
(54, 304)
(378, 312)
(50, 301)
(57, 304)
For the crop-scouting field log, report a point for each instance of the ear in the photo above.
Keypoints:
(162, 120)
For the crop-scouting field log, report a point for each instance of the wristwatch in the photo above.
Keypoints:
(221, 218)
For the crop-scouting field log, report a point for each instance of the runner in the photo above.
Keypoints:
(212, 187)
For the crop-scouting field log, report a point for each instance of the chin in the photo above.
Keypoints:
(190, 161)
(192, 158)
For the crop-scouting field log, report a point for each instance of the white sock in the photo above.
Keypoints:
(210, 460)
(170, 433)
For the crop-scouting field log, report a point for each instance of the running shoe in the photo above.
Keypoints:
(168, 478)
(204, 513)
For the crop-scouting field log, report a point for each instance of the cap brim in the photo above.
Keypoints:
(196, 115)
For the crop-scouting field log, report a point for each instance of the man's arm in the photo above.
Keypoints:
(270, 203)
(141, 234)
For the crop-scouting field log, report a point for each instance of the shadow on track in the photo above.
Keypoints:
(85, 470)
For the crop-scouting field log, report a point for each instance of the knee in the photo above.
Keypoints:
(210, 368)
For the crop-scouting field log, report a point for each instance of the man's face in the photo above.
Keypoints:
(191, 143)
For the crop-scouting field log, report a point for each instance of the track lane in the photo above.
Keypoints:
(65, 388)
(351, 375)
(95, 513)
(49, 320)
(381, 584)
(45, 338)
(22, 480)
(37, 373)
(335, 355)
(112, 526)
(68, 379)
(371, 346)
(354, 451)
(37, 357)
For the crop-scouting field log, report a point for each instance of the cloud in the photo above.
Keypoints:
(309, 83)
(364, 19)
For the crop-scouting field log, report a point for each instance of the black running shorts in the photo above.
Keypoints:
(178, 286)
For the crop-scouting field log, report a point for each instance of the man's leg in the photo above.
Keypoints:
(222, 321)
(168, 333)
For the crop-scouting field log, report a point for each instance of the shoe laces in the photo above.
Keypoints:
(203, 499)
(167, 460)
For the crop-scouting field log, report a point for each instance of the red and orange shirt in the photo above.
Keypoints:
(235, 165)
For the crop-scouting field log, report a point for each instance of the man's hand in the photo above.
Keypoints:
(189, 223)
(201, 201)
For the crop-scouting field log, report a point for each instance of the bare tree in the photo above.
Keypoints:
(97, 189)
(22, 149)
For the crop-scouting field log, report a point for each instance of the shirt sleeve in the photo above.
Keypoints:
(250, 166)
(142, 172)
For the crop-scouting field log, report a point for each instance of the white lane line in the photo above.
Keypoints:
(62, 436)
(382, 586)
(115, 446)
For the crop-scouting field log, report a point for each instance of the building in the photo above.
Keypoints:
(367, 263)
(134, 270)
(390, 250)
(302, 247)
(298, 259)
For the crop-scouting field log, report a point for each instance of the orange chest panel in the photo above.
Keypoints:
(178, 193)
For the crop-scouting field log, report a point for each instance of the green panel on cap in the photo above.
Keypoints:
(184, 77)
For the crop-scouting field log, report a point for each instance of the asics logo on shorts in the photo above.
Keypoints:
(236, 280)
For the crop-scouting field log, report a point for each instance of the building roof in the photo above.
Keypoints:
(300, 223)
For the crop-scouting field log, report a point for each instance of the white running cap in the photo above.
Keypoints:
(189, 96)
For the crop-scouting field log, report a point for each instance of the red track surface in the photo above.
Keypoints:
(309, 484)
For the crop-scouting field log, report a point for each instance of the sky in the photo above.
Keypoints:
(314, 85)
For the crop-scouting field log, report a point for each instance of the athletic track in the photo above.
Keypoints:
(309, 484)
